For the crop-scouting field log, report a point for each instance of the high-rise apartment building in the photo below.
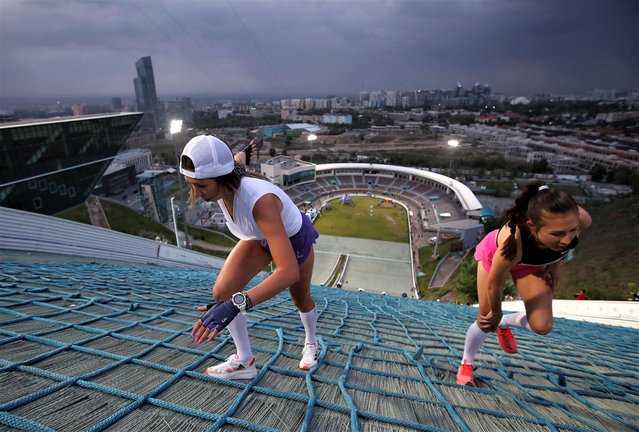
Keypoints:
(116, 102)
(145, 95)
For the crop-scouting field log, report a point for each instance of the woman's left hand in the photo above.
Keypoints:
(213, 321)
(489, 322)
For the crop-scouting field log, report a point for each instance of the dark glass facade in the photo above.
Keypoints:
(298, 177)
(115, 182)
(152, 195)
(50, 166)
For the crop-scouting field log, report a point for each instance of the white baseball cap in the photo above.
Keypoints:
(210, 155)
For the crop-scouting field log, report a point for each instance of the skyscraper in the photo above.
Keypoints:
(145, 95)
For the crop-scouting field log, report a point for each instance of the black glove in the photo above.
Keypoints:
(219, 315)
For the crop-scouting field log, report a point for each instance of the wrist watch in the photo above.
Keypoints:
(242, 301)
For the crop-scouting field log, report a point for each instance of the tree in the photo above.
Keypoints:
(634, 182)
(598, 173)
(493, 223)
(541, 166)
(622, 175)
(467, 280)
(319, 158)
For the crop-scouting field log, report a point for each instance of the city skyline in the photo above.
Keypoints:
(286, 49)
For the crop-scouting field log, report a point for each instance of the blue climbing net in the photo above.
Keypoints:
(107, 346)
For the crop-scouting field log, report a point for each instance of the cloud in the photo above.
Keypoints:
(304, 48)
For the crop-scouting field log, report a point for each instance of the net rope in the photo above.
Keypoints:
(106, 346)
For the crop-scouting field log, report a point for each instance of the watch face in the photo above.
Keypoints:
(239, 299)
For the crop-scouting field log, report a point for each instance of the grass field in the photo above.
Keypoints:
(383, 223)
(126, 220)
(606, 259)
(122, 219)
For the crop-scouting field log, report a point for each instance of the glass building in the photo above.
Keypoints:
(152, 195)
(287, 171)
(47, 166)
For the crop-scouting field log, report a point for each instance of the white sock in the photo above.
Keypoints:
(239, 332)
(518, 320)
(474, 340)
(309, 319)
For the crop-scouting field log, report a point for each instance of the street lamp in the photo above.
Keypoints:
(452, 143)
(436, 243)
(311, 138)
(176, 127)
(177, 236)
(436, 211)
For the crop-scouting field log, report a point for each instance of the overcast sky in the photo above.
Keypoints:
(300, 48)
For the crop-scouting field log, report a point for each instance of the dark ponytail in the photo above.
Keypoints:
(516, 216)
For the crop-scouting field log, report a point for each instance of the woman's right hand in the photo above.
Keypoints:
(214, 320)
(489, 322)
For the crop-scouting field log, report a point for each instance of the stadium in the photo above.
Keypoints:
(95, 329)
(435, 205)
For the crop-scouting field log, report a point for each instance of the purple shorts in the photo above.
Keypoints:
(302, 242)
(486, 249)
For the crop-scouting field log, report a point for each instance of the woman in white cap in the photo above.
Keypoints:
(270, 228)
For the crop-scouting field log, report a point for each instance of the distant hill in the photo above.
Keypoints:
(604, 263)
(607, 258)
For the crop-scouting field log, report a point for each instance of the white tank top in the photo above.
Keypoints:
(243, 225)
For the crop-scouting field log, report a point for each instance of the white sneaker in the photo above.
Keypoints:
(309, 356)
(232, 368)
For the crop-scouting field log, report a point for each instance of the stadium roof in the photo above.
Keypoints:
(88, 345)
(287, 161)
(465, 196)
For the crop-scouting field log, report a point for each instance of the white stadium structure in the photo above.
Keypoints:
(439, 201)
(436, 205)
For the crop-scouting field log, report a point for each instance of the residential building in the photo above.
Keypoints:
(286, 171)
(152, 195)
(141, 159)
